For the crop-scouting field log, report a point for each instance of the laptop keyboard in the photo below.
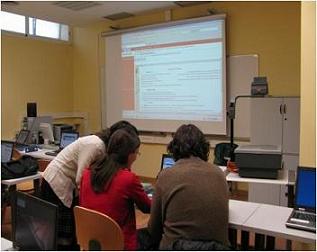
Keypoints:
(305, 216)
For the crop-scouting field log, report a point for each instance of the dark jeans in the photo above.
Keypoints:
(66, 219)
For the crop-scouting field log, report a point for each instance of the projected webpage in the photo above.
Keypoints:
(176, 73)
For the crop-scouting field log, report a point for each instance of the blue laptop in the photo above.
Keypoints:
(167, 161)
(304, 214)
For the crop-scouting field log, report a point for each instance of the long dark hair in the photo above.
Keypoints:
(189, 141)
(121, 144)
(105, 135)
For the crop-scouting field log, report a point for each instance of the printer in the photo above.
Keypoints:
(258, 161)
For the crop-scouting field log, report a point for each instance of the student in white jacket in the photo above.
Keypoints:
(62, 176)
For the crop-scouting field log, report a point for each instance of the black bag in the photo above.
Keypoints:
(223, 152)
(25, 166)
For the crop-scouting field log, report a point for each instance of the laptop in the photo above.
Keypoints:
(6, 151)
(66, 139)
(34, 223)
(167, 162)
(21, 141)
(304, 214)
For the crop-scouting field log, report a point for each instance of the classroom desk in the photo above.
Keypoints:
(6, 244)
(283, 179)
(269, 221)
(263, 219)
(13, 182)
(40, 154)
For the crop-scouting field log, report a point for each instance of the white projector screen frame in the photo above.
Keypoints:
(141, 85)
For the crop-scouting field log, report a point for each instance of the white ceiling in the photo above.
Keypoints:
(48, 10)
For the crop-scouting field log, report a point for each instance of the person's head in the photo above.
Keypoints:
(189, 141)
(123, 147)
(105, 135)
(122, 151)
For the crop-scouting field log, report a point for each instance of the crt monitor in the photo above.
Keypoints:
(34, 223)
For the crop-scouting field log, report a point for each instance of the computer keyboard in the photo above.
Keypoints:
(305, 216)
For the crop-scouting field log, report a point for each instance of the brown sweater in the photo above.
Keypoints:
(190, 202)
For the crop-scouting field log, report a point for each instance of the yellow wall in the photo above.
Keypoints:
(269, 29)
(33, 70)
(308, 85)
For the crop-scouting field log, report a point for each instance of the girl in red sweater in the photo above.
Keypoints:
(111, 188)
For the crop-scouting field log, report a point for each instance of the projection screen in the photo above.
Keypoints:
(161, 76)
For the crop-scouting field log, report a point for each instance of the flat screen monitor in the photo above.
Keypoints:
(34, 223)
(47, 132)
(34, 127)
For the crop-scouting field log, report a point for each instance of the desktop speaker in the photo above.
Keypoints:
(31, 109)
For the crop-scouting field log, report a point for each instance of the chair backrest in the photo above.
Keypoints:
(97, 231)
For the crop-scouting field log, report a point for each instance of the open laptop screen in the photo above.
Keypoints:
(6, 151)
(67, 138)
(306, 188)
(167, 161)
(34, 223)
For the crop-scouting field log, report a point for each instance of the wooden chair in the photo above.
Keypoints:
(97, 231)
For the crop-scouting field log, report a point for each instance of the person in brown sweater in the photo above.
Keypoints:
(191, 198)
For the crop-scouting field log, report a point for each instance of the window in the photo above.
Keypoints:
(48, 29)
(33, 26)
(12, 22)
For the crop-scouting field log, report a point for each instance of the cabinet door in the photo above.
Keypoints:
(291, 125)
(264, 193)
(266, 121)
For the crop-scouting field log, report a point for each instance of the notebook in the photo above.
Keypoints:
(6, 151)
(167, 161)
(21, 141)
(66, 139)
(304, 214)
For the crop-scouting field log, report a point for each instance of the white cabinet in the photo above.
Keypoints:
(275, 121)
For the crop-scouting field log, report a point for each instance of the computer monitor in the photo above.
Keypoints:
(167, 161)
(34, 127)
(34, 223)
(47, 132)
(6, 151)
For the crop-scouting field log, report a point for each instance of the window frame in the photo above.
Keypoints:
(27, 33)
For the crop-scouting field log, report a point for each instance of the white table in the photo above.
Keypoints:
(240, 212)
(16, 181)
(270, 220)
(283, 179)
(40, 154)
(12, 183)
(6, 244)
